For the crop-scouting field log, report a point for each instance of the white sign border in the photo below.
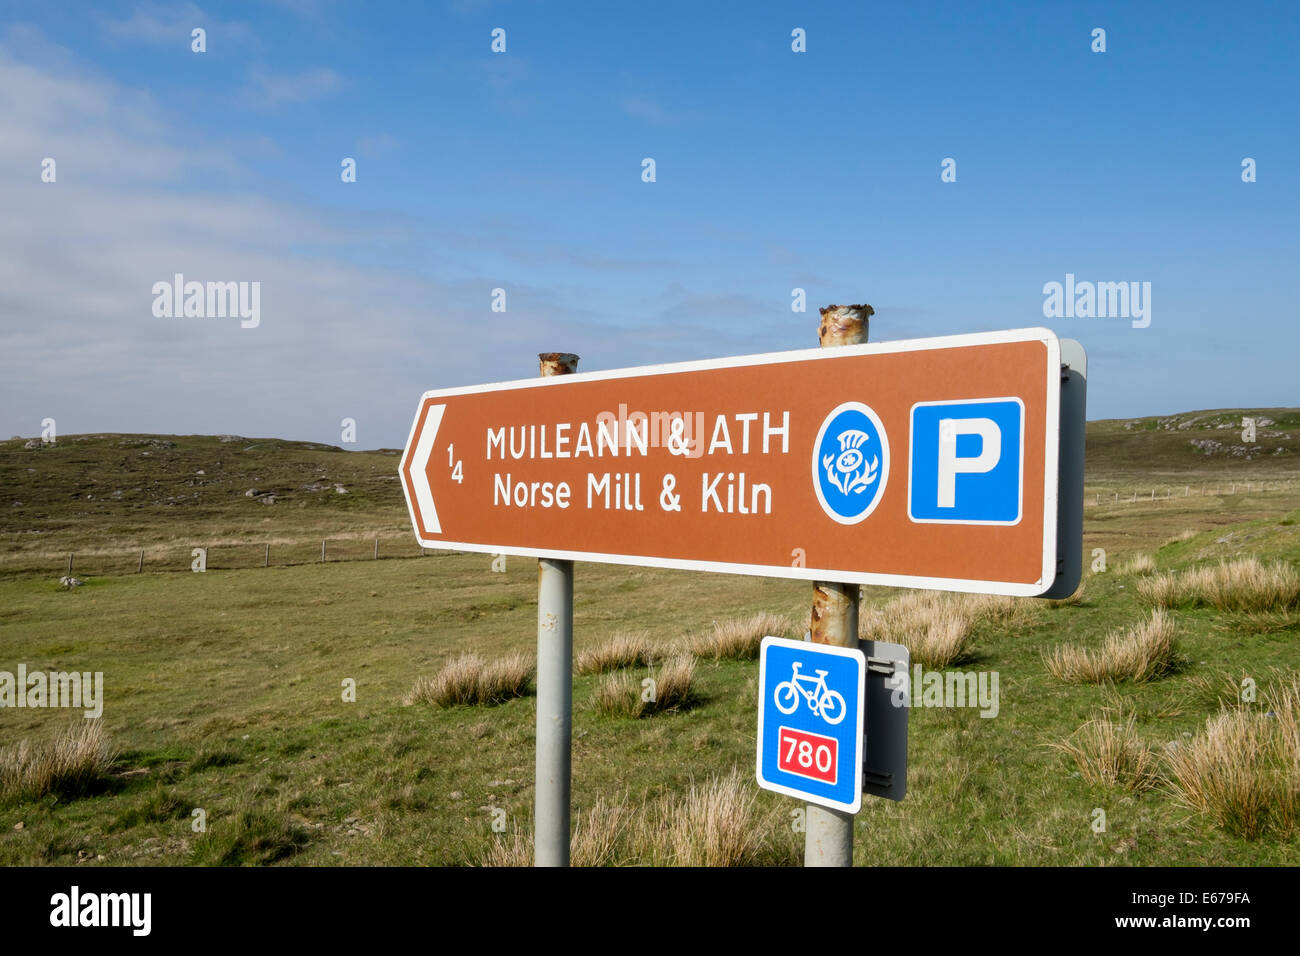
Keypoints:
(856, 766)
(970, 585)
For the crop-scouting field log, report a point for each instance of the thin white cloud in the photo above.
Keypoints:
(94, 130)
(271, 91)
(644, 108)
(164, 24)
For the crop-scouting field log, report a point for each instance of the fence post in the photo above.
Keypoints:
(828, 834)
(140, 567)
(69, 564)
(266, 562)
(322, 549)
(554, 687)
(376, 547)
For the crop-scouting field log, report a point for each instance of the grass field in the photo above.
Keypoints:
(224, 692)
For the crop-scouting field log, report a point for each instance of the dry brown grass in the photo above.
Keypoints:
(738, 639)
(718, 823)
(469, 679)
(935, 631)
(74, 764)
(1139, 653)
(598, 833)
(674, 684)
(1110, 753)
(1243, 771)
(598, 838)
(510, 849)
(938, 628)
(1244, 584)
(622, 650)
(617, 696)
(1139, 564)
(669, 689)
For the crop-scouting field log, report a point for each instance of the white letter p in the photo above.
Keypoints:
(950, 466)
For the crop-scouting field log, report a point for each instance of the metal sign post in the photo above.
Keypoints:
(554, 688)
(828, 832)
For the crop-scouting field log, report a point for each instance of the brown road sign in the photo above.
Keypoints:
(925, 463)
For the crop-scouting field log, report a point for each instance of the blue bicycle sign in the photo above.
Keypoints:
(810, 711)
(822, 701)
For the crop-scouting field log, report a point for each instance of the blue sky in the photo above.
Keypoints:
(522, 170)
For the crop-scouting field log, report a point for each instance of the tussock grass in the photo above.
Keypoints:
(1243, 584)
(512, 850)
(598, 833)
(469, 679)
(622, 650)
(74, 764)
(1138, 653)
(675, 683)
(717, 823)
(1243, 771)
(599, 838)
(1110, 753)
(738, 639)
(1139, 564)
(938, 628)
(618, 695)
(1003, 611)
(935, 631)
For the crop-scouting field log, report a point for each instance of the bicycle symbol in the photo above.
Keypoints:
(822, 701)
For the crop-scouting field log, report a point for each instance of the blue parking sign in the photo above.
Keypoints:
(810, 709)
(966, 462)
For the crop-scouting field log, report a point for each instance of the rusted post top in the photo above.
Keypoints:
(835, 614)
(844, 324)
(557, 363)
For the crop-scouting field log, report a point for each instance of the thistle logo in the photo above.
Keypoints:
(850, 463)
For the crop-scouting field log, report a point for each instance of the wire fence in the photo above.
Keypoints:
(221, 556)
(1150, 493)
